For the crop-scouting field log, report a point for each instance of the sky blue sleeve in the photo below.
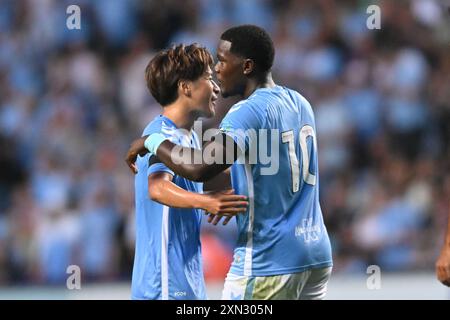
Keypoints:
(153, 128)
(159, 167)
(242, 122)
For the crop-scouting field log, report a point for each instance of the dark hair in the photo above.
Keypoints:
(170, 66)
(251, 42)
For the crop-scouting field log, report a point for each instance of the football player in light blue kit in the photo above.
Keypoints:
(283, 250)
(168, 263)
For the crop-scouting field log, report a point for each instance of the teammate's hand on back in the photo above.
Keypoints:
(137, 147)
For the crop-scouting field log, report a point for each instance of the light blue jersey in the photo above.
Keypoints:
(283, 230)
(167, 262)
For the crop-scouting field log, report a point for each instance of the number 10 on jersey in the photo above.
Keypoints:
(288, 137)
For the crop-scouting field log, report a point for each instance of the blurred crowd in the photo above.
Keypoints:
(71, 101)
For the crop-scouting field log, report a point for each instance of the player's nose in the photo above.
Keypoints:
(216, 88)
(216, 67)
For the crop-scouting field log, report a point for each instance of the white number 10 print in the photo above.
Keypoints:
(288, 137)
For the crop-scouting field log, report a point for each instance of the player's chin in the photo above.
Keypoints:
(209, 111)
(223, 90)
(224, 93)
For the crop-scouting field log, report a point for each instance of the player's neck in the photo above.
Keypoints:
(264, 81)
(179, 115)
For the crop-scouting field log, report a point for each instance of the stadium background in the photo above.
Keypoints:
(71, 101)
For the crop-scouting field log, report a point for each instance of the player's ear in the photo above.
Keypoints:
(248, 66)
(184, 87)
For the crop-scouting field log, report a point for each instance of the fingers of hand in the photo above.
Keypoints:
(131, 162)
(235, 204)
(229, 191)
(216, 220)
(233, 197)
(232, 211)
(227, 219)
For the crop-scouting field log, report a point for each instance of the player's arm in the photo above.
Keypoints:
(443, 262)
(161, 189)
(173, 156)
(222, 181)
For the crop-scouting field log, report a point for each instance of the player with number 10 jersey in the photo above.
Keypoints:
(283, 231)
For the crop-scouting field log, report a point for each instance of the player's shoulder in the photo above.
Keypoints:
(304, 103)
(251, 106)
(280, 91)
(298, 99)
(241, 106)
(272, 97)
(258, 100)
(297, 95)
(159, 124)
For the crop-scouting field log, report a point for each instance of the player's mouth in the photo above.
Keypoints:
(219, 83)
(213, 100)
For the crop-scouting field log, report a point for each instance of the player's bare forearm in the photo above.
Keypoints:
(181, 161)
(163, 190)
(222, 181)
(188, 162)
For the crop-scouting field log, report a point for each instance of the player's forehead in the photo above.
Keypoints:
(223, 48)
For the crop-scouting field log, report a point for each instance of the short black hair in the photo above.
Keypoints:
(251, 42)
(176, 63)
